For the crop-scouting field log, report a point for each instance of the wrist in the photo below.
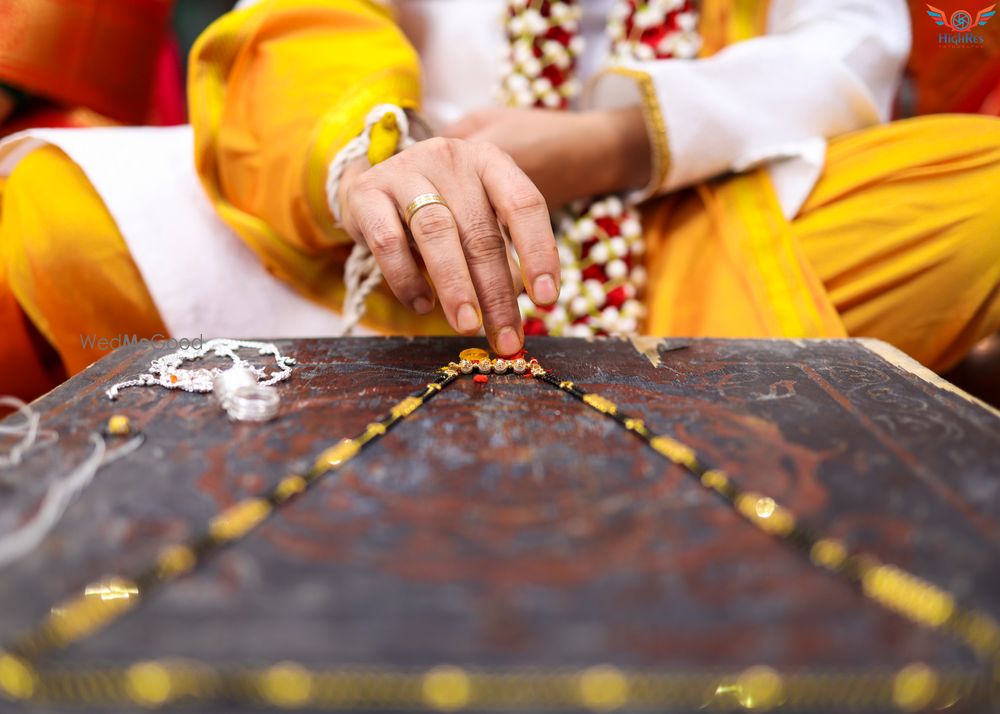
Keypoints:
(631, 158)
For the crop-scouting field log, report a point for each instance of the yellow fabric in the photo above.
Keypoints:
(276, 90)
(64, 266)
(898, 241)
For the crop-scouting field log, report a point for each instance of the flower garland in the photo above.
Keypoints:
(600, 240)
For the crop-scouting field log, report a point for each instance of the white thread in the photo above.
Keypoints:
(58, 496)
(361, 272)
(31, 436)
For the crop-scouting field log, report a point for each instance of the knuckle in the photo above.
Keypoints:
(525, 204)
(381, 239)
(433, 223)
(497, 301)
(482, 242)
(444, 148)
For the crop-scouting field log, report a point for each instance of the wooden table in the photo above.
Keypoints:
(505, 526)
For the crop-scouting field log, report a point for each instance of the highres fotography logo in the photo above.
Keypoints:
(961, 26)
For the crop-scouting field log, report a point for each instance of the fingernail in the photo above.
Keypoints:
(508, 341)
(545, 290)
(468, 318)
(422, 305)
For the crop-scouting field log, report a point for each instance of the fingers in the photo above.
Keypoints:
(436, 236)
(487, 258)
(374, 217)
(522, 209)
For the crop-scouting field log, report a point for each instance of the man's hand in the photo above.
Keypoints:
(568, 155)
(461, 244)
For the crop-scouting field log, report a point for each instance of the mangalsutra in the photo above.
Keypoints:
(913, 687)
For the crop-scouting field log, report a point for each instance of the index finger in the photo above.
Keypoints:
(522, 208)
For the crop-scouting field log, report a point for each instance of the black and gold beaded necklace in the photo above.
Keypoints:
(448, 688)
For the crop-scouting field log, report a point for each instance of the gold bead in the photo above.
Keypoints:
(119, 425)
(149, 683)
(674, 450)
(474, 354)
(290, 486)
(759, 688)
(406, 407)
(828, 553)
(238, 519)
(336, 455)
(447, 688)
(17, 679)
(914, 687)
(175, 560)
(287, 684)
(603, 688)
(605, 406)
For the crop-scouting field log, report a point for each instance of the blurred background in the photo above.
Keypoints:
(112, 62)
(134, 56)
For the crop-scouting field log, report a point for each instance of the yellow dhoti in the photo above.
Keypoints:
(899, 241)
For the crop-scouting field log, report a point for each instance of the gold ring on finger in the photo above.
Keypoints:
(424, 199)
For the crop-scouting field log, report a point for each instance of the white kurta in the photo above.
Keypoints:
(825, 67)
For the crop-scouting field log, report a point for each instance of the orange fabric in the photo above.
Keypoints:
(898, 241)
(275, 91)
(947, 78)
(67, 267)
(99, 54)
(903, 231)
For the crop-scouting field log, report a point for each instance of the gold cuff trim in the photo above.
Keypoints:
(656, 127)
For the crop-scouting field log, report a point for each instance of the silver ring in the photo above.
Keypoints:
(227, 382)
(424, 199)
(253, 403)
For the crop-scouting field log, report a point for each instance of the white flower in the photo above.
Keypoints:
(609, 319)
(551, 99)
(517, 82)
(524, 302)
(633, 308)
(687, 21)
(579, 331)
(594, 290)
(598, 210)
(577, 45)
(568, 292)
(644, 52)
(516, 25)
(631, 226)
(523, 99)
(569, 88)
(522, 51)
(572, 276)
(600, 253)
(614, 205)
(586, 228)
(649, 16)
(616, 269)
(532, 67)
(619, 248)
(579, 306)
(557, 317)
(541, 85)
(534, 23)
(639, 276)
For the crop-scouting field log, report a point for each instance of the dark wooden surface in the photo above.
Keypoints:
(507, 525)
